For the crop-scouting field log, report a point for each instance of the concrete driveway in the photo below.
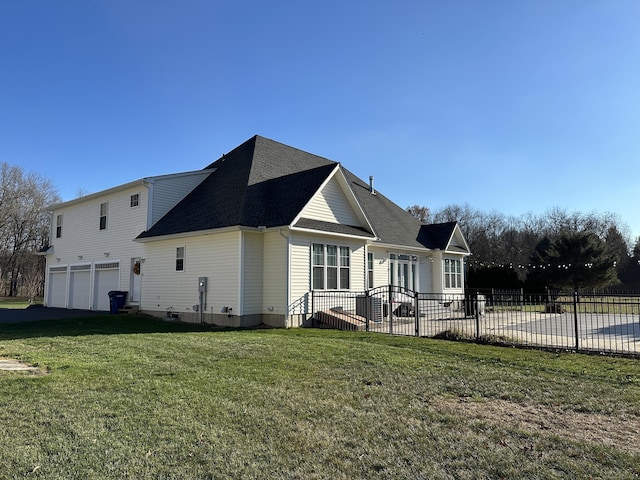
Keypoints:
(31, 314)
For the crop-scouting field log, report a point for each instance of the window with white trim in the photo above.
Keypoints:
(59, 226)
(179, 259)
(103, 215)
(369, 270)
(331, 267)
(452, 273)
(134, 200)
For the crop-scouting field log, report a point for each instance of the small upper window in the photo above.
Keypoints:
(135, 199)
(179, 259)
(59, 226)
(103, 216)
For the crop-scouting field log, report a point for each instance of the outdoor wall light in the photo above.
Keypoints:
(79, 257)
(106, 254)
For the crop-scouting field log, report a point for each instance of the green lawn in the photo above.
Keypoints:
(126, 397)
(13, 302)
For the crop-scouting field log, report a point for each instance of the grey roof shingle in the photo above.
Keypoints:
(266, 183)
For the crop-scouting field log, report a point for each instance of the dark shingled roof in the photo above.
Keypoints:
(259, 183)
(266, 183)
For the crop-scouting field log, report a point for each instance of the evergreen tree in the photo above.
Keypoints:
(575, 260)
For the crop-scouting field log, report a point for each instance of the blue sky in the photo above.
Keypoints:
(512, 106)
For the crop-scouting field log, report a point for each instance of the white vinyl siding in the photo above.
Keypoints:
(168, 191)
(274, 274)
(252, 273)
(380, 267)
(218, 259)
(331, 205)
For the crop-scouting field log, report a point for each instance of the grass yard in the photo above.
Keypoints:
(125, 397)
(13, 302)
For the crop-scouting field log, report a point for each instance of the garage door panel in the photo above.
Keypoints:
(106, 280)
(80, 289)
(57, 288)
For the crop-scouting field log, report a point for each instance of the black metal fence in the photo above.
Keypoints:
(577, 322)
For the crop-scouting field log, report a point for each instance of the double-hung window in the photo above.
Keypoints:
(369, 270)
(59, 226)
(179, 259)
(103, 215)
(134, 201)
(452, 273)
(331, 267)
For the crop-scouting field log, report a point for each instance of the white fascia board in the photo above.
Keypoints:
(464, 241)
(355, 204)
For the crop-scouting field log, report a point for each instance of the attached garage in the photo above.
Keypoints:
(57, 293)
(80, 287)
(106, 279)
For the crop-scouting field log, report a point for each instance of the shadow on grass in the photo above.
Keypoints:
(98, 325)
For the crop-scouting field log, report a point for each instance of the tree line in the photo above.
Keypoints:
(24, 230)
(558, 249)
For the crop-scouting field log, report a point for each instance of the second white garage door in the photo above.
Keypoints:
(80, 287)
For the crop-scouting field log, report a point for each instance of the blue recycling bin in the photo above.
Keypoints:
(117, 300)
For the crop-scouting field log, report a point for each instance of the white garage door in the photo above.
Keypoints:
(80, 287)
(57, 287)
(107, 278)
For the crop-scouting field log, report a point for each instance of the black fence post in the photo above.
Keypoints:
(368, 308)
(313, 310)
(477, 314)
(575, 319)
(390, 309)
(416, 311)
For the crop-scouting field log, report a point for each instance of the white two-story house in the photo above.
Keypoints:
(244, 241)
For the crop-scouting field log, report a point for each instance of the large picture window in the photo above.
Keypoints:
(452, 273)
(331, 267)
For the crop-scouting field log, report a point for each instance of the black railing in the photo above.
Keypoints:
(577, 322)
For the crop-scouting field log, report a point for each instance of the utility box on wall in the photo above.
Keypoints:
(202, 284)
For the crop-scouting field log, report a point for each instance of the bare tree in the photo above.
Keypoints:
(24, 223)
(421, 212)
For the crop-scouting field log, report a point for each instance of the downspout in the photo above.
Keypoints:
(288, 282)
(149, 184)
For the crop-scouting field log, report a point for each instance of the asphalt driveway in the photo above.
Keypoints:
(31, 314)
